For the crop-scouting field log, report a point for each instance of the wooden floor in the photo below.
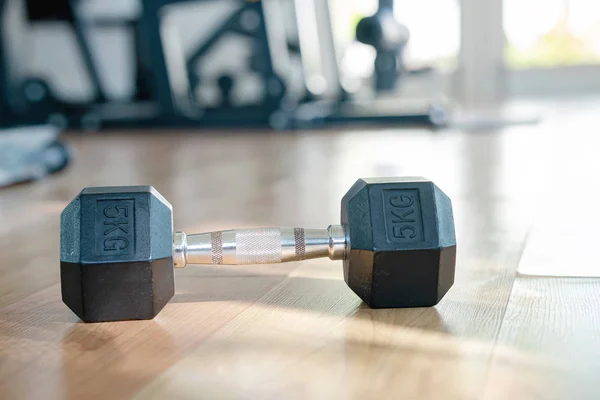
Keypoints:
(295, 331)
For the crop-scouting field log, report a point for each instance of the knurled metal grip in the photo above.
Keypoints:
(216, 246)
(258, 246)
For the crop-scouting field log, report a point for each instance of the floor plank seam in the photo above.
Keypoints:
(492, 355)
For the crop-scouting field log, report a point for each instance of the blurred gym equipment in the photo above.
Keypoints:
(388, 37)
(177, 86)
(31, 153)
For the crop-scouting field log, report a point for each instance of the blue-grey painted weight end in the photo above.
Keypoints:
(116, 253)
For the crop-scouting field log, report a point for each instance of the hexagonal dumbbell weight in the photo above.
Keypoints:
(118, 249)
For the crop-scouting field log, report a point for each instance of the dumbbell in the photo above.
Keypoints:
(118, 250)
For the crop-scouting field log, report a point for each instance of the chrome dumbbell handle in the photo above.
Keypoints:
(258, 246)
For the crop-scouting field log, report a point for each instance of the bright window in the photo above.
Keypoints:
(548, 33)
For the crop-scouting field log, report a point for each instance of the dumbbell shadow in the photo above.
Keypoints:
(418, 332)
(324, 294)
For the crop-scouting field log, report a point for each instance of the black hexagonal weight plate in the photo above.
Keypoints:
(401, 248)
(116, 253)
